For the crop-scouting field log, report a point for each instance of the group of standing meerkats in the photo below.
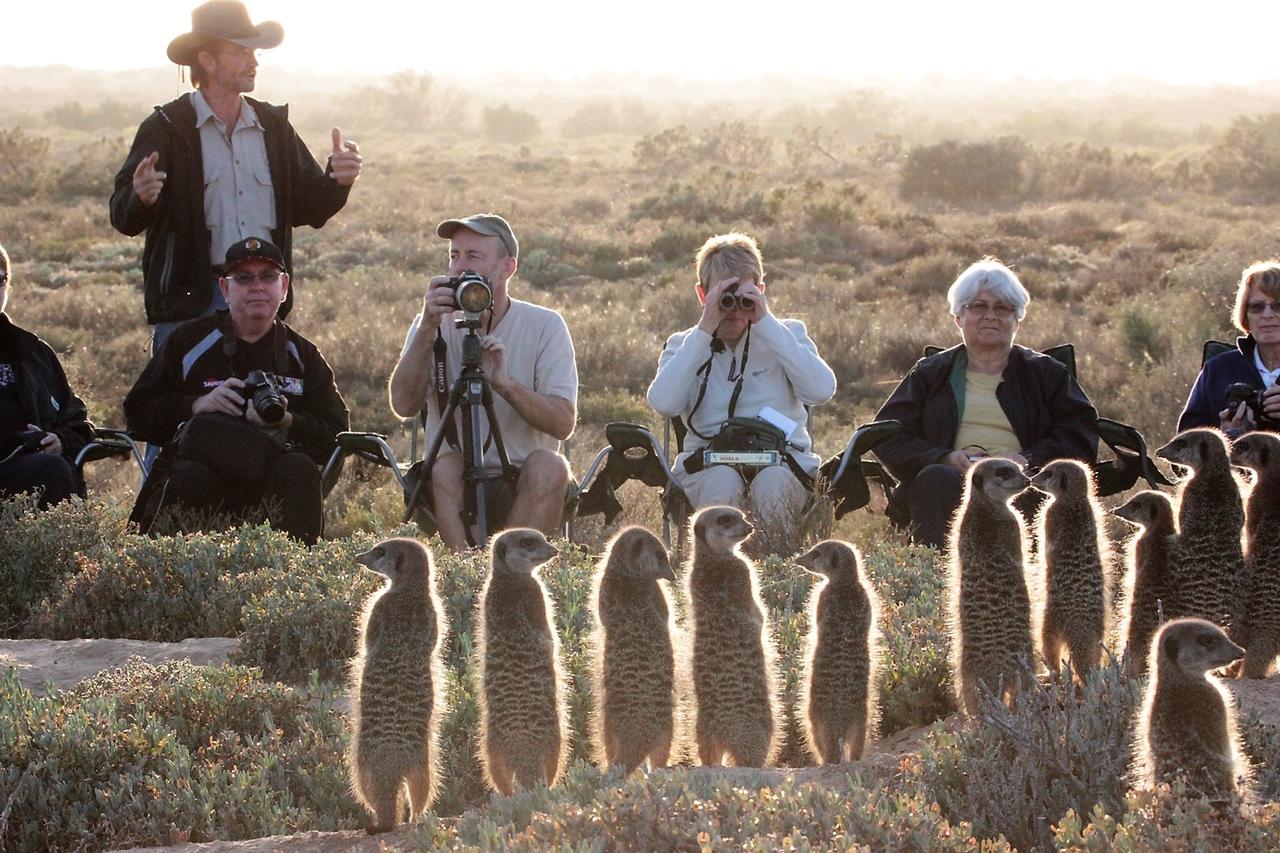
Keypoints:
(710, 684)
(1201, 593)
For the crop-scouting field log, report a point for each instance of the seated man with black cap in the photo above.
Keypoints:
(527, 356)
(245, 407)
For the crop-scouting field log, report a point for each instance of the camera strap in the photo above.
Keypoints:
(231, 345)
(718, 346)
(440, 353)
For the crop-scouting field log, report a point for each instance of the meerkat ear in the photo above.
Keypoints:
(500, 551)
(1169, 648)
(977, 480)
(1264, 453)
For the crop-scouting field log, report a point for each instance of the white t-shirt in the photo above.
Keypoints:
(539, 356)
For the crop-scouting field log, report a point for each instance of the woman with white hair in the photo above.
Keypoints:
(983, 397)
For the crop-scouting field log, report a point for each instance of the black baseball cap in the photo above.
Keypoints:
(251, 248)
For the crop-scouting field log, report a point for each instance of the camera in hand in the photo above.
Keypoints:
(729, 299)
(1243, 392)
(262, 390)
(472, 292)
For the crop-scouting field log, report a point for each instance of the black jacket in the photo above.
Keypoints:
(1049, 413)
(194, 360)
(177, 271)
(46, 395)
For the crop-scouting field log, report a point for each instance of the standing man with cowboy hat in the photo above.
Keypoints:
(213, 167)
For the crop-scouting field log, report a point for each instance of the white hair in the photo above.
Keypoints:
(988, 274)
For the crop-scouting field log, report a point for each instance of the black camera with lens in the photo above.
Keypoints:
(472, 292)
(1243, 392)
(29, 440)
(262, 390)
(729, 299)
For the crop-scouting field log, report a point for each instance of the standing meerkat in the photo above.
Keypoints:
(734, 685)
(1260, 599)
(1147, 573)
(1076, 560)
(1210, 558)
(1187, 725)
(990, 609)
(634, 662)
(523, 733)
(397, 686)
(839, 694)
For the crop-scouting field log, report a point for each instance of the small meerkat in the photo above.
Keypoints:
(1147, 573)
(1260, 596)
(1210, 556)
(1187, 725)
(634, 661)
(736, 710)
(523, 736)
(1076, 560)
(990, 609)
(839, 686)
(397, 686)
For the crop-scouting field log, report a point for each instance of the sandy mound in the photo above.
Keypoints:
(68, 662)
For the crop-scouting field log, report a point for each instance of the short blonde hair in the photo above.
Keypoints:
(727, 255)
(1265, 274)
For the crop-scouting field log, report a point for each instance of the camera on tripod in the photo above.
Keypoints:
(472, 294)
(262, 390)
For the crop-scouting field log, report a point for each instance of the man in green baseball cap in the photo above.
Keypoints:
(528, 358)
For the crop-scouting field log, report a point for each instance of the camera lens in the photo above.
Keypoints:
(268, 405)
(473, 296)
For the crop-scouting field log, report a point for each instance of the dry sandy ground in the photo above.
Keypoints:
(66, 662)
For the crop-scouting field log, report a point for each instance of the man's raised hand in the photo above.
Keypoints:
(147, 182)
(345, 160)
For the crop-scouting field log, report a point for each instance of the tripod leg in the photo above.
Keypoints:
(473, 452)
(429, 461)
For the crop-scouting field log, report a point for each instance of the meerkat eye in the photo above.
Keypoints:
(724, 521)
(1207, 641)
(379, 551)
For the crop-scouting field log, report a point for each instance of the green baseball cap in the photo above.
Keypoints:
(489, 224)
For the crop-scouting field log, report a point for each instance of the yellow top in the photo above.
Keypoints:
(984, 423)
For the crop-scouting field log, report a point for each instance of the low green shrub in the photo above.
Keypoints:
(40, 549)
(1167, 819)
(1016, 772)
(159, 755)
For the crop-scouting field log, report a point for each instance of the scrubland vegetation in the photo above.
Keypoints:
(1129, 221)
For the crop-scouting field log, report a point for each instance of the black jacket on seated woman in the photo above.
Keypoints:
(36, 399)
(1254, 362)
(1048, 415)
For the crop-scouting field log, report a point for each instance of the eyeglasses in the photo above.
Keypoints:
(980, 309)
(1257, 309)
(247, 278)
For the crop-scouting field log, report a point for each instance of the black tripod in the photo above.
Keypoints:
(472, 392)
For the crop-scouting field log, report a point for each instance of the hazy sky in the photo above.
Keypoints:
(1175, 41)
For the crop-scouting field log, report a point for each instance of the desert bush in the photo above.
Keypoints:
(670, 811)
(1247, 158)
(40, 550)
(965, 172)
(1167, 819)
(593, 119)
(679, 149)
(24, 166)
(504, 123)
(1016, 772)
(164, 588)
(301, 618)
(147, 755)
(1079, 170)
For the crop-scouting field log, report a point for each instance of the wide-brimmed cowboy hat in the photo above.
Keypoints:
(227, 20)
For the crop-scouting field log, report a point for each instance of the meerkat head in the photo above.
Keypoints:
(399, 559)
(720, 528)
(830, 558)
(1146, 509)
(1194, 647)
(519, 551)
(1256, 450)
(997, 479)
(1063, 477)
(636, 553)
(1196, 449)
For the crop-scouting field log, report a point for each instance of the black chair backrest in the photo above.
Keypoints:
(1063, 353)
(1212, 348)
